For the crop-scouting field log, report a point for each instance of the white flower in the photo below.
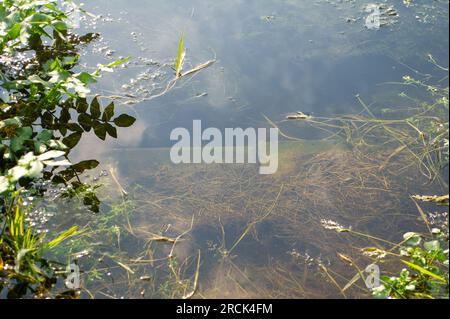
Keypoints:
(50, 155)
(410, 287)
(3, 27)
(379, 290)
(35, 169)
(4, 184)
(17, 173)
(27, 159)
(29, 165)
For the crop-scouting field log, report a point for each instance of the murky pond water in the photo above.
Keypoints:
(244, 234)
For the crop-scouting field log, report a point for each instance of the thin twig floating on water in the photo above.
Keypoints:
(281, 132)
(173, 82)
(164, 239)
(179, 62)
(299, 116)
(112, 171)
(198, 68)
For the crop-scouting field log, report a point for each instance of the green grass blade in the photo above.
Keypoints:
(423, 271)
(118, 62)
(180, 56)
(67, 234)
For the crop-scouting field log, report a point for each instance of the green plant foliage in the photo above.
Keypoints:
(23, 252)
(46, 106)
(44, 102)
(427, 272)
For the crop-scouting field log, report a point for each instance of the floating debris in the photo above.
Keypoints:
(432, 199)
(380, 15)
(145, 278)
(299, 116)
(374, 252)
(81, 254)
(201, 94)
(268, 18)
(332, 225)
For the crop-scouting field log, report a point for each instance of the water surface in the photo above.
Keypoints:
(258, 236)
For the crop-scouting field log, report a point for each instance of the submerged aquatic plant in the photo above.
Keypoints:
(420, 132)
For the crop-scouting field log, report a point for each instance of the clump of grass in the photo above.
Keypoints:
(23, 253)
